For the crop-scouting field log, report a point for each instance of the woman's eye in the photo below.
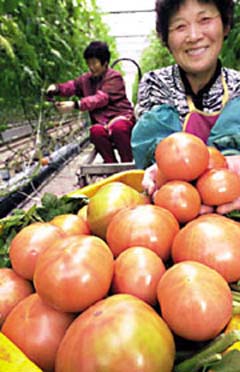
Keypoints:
(205, 20)
(180, 27)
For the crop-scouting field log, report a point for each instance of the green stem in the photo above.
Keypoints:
(236, 308)
(236, 295)
(218, 345)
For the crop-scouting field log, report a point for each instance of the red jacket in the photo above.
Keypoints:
(104, 97)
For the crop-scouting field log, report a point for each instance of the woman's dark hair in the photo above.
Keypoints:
(166, 8)
(99, 50)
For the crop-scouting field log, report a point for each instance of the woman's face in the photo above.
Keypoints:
(195, 37)
(96, 67)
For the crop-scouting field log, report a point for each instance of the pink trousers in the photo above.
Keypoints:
(119, 138)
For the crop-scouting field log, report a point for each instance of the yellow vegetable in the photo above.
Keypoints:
(12, 359)
(234, 324)
(131, 178)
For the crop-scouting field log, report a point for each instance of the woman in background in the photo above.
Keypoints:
(102, 93)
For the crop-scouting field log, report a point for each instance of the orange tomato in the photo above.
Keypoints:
(213, 240)
(29, 243)
(147, 225)
(195, 301)
(216, 158)
(218, 186)
(137, 271)
(71, 224)
(182, 156)
(179, 197)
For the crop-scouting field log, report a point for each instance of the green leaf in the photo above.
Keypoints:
(229, 363)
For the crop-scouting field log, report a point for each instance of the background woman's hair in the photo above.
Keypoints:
(99, 50)
(166, 8)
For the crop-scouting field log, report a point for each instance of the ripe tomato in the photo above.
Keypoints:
(182, 156)
(37, 330)
(212, 240)
(13, 288)
(107, 201)
(195, 301)
(71, 224)
(179, 197)
(74, 273)
(148, 226)
(120, 333)
(29, 243)
(216, 158)
(137, 271)
(45, 160)
(218, 186)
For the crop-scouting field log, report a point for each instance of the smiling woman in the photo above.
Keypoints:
(197, 94)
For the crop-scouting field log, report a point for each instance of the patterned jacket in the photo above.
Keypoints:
(167, 86)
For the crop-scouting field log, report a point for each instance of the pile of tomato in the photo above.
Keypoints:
(113, 287)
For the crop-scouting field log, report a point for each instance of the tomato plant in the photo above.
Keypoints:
(179, 197)
(212, 240)
(37, 330)
(120, 333)
(137, 271)
(13, 288)
(195, 301)
(29, 243)
(71, 224)
(182, 156)
(107, 201)
(148, 226)
(218, 186)
(74, 273)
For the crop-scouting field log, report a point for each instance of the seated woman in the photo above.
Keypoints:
(197, 94)
(102, 92)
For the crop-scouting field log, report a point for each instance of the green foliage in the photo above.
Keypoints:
(42, 42)
(153, 57)
(231, 53)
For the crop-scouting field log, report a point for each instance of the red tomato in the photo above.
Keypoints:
(195, 301)
(37, 329)
(148, 226)
(29, 243)
(71, 224)
(13, 288)
(182, 156)
(179, 197)
(137, 271)
(216, 158)
(218, 186)
(120, 333)
(107, 201)
(212, 240)
(74, 273)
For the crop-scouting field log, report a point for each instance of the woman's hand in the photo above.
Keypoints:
(64, 106)
(149, 179)
(149, 185)
(233, 164)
